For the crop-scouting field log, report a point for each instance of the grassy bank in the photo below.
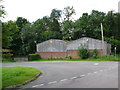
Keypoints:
(17, 75)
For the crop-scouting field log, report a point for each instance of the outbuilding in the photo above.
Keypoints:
(55, 48)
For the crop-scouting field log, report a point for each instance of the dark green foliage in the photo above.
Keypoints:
(94, 54)
(67, 24)
(68, 57)
(83, 53)
(8, 31)
(7, 56)
(32, 57)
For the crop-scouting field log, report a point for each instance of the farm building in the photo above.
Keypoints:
(55, 48)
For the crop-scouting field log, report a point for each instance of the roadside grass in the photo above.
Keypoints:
(17, 75)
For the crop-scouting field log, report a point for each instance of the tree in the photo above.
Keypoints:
(68, 12)
(67, 26)
(8, 30)
(55, 23)
(17, 41)
(2, 11)
(29, 38)
(82, 27)
(112, 28)
(55, 14)
(21, 22)
(47, 28)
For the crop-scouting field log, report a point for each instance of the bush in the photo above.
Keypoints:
(69, 57)
(7, 56)
(83, 53)
(94, 54)
(33, 57)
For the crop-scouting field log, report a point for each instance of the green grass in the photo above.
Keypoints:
(17, 75)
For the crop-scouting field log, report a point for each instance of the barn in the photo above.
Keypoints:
(55, 48)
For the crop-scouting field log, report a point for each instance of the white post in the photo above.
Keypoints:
(115, 52)
(102, 39)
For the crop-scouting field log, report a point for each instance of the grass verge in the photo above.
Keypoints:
(17, 75)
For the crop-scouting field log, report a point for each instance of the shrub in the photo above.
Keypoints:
(7, 56)
(83, 53)
(69, 57)
(33, 57)
(94, 54)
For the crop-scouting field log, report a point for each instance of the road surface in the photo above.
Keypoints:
(72, 74)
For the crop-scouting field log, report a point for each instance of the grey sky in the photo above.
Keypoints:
(34, 9)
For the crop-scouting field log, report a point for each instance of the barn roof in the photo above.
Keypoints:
(61, 45)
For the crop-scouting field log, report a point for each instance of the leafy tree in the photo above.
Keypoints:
(2, 11)
(17, 41)
(82, 27)
(56, 14)
(67, 26)
(21, 22)
(8, 30)
(68, 12)
(29, 37)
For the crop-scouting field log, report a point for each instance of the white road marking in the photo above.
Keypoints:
(35, 86)
(96, 63)
(63, 80)
(52, 82)
(41, 84)
(88, 73)
(82, 75)
(101, 70)
(95, 72)
(73, 77)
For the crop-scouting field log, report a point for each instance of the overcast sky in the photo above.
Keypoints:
(34, 9)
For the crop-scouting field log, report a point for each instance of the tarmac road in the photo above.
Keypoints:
(72, 74)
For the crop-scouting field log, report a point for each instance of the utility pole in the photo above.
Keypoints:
(115, 53)
(102, 39)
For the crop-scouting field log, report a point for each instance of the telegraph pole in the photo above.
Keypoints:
(102, 39)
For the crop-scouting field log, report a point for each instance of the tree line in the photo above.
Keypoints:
(21, 36)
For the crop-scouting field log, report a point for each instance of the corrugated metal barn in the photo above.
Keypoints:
(55, 48)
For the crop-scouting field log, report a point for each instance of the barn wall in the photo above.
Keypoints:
(73, 53)
(74, 45)
(100, 52)
(52, 46)
(52, 55)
